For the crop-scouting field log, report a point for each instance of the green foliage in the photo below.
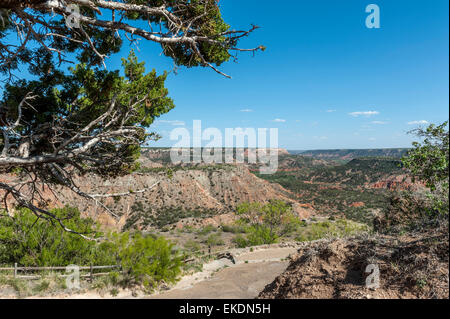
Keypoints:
(358, 171)
(19, 285)
(210, 25)
(82, 96)
(203, 17)
(235, 229)
(35, 242)
(330, 229)
(42, 286)
(240, 241)
(266, 222)
(214, 240)
(146, 259)
(30, 241)
(260, 235)
(428, 162)
(333, 189)
(192, 246)
(274, 221)
(206, 230)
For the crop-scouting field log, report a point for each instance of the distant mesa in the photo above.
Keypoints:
(349, 154)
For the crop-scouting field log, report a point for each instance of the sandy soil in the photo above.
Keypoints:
(243, 281)
(221, 279)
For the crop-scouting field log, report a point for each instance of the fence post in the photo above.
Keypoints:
(92, 273)
(15, 270)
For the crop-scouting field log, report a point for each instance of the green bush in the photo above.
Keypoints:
(334, 229)
(146, 259)
(206, 230)
(192, 246)
(261, 235)
(428, 162)
(235, 229)
(240, 241)
(214, 240)
(265, 223)
(34, 242)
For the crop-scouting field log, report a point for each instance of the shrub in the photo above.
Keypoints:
(192, 246)
(35, 242)
(240, 241)
(32, 242)
(214, 240)
(266, 222)
(428, 162)
(147, 260)
(336, 229)
(260, 235)
(235, 229)
(206, 230)
(42, 286)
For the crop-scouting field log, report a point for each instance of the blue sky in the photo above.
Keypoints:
(322, 64)
(325, 80)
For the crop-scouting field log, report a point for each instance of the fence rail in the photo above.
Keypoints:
(91, 269)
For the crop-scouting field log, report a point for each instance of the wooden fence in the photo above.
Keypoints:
(16, 269)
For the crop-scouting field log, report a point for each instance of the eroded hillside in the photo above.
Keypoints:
(174, 194)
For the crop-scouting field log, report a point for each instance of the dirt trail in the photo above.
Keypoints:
(221, 279)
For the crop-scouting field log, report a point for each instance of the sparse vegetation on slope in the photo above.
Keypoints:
(412, 254)
(144, 260)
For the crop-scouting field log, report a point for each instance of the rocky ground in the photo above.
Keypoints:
(410, 266)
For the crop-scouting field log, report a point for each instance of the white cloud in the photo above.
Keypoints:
(364, 113)
(246, 110)
(330, 111)
(279, 121)
(321, 137)
(379, 122)
(174, 123)
(422, 122)
(372, 139)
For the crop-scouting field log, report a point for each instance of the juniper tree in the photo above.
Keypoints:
(91, 120)
(88, 121)
(191, 32)
(428, 162)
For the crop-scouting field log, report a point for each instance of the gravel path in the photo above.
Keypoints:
(222, 279)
